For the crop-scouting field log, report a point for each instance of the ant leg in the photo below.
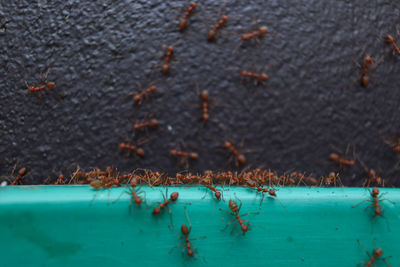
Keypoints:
(248, 213)
(366, 251)
(180, 244)
(233, 228)
(361, 203)
(187, 217)
(394, 203)
(262, 199)
(226, 226)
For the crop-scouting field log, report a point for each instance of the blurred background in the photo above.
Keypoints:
(99, 52)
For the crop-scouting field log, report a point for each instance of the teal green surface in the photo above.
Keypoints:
(78, 226)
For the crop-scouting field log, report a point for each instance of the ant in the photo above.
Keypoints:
(336, 158)
(60, 179)
(134, 194)
(366, 68)
(390, 39)
(270, 191)
(239, 157)
(184, 156)
(206, 181)
(133, 148)
(395, 145)
(173, 198)
(375, 202)
(216, 27)
(183, 22)
(204, 100)
(332, 178)
(44, 85)
(152, 124)
(372, 176)
(376, 255)
(233, 206)
(138, 97)
(186, 240)
(17, 176)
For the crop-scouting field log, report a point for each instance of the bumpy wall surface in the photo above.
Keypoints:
(99, 50)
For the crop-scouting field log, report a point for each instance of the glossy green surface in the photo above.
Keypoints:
(77, 226)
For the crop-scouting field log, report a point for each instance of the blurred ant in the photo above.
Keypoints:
(134, 194)
(17, 177)
(376, 255)
(366, 68)
(207, 181)
(394, 143)
(378, 209)
(186, 240)
(343, 161)
(143, 94)
(166, 202)
(183, 156)
(332, 179)
(43, 84)
(184, 21)
(372, 176)
(390, 39)
(235, 209)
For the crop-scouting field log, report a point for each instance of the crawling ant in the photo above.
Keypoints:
(270, 191)
(44, 84)
(332, 178)
(216, 27)
(390, 39)
(186, 240)
(204, 100)
(233, 206)
(395, 145)
(183, 22)
(184, 156)
(207, 182)
(134, 194)
(60, 179)
(366, 68)
(152, 124)
(372, 176)
(378, 211)
(17, 176)
(336, 158)
(133, 148)
(376, 255)
(138, 97)
(170, 200)
(239, 157)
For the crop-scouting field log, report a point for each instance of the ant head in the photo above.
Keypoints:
(61, 176)
(204, 95)
(334, 157)
(389, 39)
(263, 30)
(170, 49)
(244, 228)
(190, 252)
(218, 195)
(233, 206)
(365, 80)
(137, 98)
(22, 172)
(165, 68)
(51, 85)
(140, 152)
(372, 173)
(272, 192)
(156, 210)
(244, 73)
(375, 192)
(185, 230)
(173, 152)
(154, 123)
(193, 155)
(264, 77)
(245, 37)
(211, 35)
(241, 159)
(206, 117)
(396, 149)
(227, 144)
(174, 196)
(193, 4)
(378, 252)
(368, 59)
(331, 175)
(224, 18)
(182, 24)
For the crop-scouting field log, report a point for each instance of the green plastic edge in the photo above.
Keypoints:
(78, 226)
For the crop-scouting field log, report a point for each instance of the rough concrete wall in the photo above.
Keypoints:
(99, 50)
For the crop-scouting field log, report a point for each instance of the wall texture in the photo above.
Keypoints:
(99, 50)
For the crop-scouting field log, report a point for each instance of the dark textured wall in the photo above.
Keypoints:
(99, 50)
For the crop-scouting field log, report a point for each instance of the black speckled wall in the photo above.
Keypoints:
(100, 50)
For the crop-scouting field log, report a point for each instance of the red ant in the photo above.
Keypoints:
(138, 97)
(134, 194)
(375, 202)
(216, 27)
(372, 176)
(332, 178)
(235, 212)
(204, 100)
(390, 39)
(366, 68)
(152, 123)
(376, 255)
(186, 240)
(60, 179)
(394, 145)
(239, 157)
(183, 22)
(343, 161)
(206, 181)
(173, 197)
(184, 156)
(269, 191)
(17, 176)
(133, 148)
(43, 86)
